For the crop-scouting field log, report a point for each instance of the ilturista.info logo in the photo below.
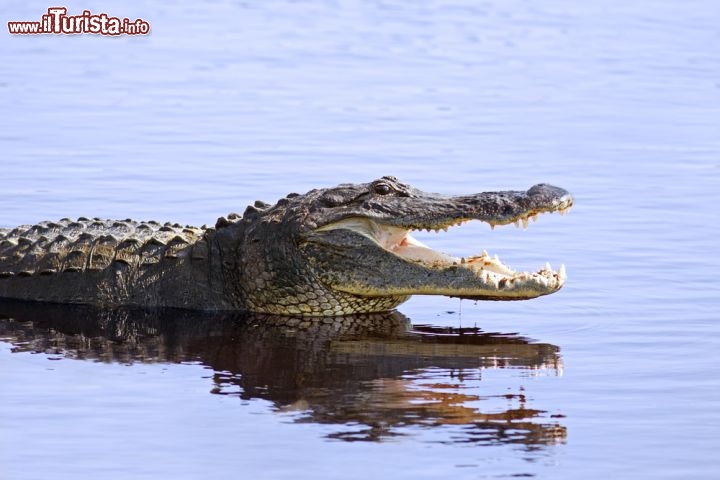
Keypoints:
(57, 21)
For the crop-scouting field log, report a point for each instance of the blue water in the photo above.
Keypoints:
(228, 102)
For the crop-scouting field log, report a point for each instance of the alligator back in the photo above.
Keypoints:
(104, 262)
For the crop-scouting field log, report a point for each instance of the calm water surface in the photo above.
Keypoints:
(228, 102)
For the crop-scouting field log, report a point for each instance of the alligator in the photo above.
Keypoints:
(333, 251)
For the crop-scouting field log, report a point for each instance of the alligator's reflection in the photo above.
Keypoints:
(375, 375)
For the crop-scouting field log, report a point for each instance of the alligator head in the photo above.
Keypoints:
(349, 249)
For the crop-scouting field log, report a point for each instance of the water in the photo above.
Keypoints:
(229, 102)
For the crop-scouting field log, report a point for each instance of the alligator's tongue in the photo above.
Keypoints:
(413, 249)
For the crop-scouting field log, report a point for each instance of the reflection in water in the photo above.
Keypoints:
(373, 376)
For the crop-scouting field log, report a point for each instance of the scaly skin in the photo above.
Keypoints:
(335, 251)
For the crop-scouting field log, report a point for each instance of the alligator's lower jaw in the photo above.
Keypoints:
(501, 281)
(490, 280)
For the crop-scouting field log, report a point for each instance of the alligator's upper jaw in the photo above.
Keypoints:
(478, 277)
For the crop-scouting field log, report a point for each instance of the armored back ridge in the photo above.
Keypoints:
(334, 251)
(107, 262)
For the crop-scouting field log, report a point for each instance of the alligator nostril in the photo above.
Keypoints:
(539, 188)
(547, 190)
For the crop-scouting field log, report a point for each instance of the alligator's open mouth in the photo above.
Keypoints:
(495, 279)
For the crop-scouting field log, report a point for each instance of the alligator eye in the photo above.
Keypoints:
(382, 188)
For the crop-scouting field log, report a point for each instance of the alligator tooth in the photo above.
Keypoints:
(484, 254)
(562, 274)
(548, 267)
(517, 224)
(492, 226)
(533, 217)
(525, 223)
